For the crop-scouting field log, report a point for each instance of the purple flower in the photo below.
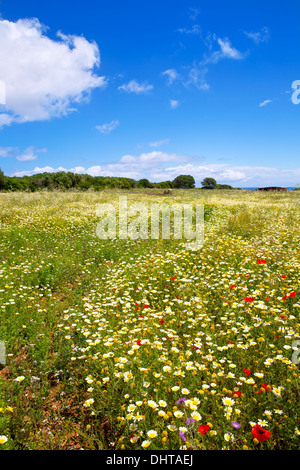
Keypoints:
(235, 425)
(180, 400)
(181, 434)
(189, 421)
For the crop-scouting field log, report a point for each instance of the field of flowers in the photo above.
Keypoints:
(143, 344)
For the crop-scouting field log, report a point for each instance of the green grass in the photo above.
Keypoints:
(74, 318)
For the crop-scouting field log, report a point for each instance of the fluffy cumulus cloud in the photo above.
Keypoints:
(44, 77)
(162, 166)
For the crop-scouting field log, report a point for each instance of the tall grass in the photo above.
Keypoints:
(69, 299)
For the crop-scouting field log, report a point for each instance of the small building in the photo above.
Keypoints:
(272, 188)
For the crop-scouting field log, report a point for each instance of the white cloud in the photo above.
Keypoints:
(29, 154)
(158, 143)
(226, 51)
(194, 13)
(264, 103)
(108, 127)
(195, 29)
(197, 77)
(5, 119)
(196, 74)
(171, 74)
(44, 78)
(6, 151)
(149, 158)
(261, 36)
(38, 170)
(134, 87)
(174, 104)
(2, 92)
(94, 170)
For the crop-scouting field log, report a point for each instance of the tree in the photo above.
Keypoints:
(223, 186)
(2, 179)
(184, 182)
(209, 183)
(144, 183)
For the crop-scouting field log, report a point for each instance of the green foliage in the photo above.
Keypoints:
(223, 186)
(144, 183)
(184, 182)
(2, 179)
(209, 183)
(73, 181)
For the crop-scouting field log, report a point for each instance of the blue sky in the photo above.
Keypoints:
(151, 89)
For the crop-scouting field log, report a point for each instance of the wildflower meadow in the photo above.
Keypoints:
(136, 344)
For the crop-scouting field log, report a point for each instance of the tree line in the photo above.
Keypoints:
(74, 181)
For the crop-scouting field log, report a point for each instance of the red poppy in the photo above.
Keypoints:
(261, 261)
(162, 321)
(138, 342)
(284, 297)
(247, 371)
(266, 387)
(238, 394)
(233, 286)
(146, 306)
(260, 434)
(177, 296)
(173, 278)
(203, 429)
(248, 299)
(267, 299)
(283, 276)
(293, 294)
(232, 343)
